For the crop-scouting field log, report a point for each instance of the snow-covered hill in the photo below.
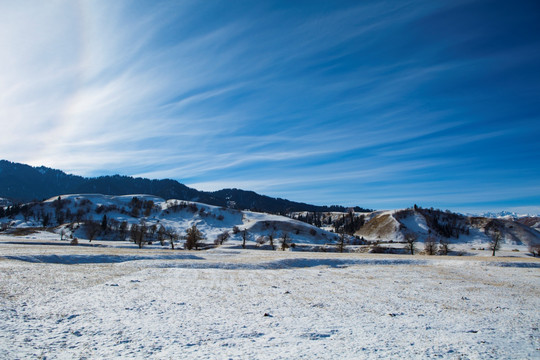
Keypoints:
(96, 216)
(459, 229)
(105, 217)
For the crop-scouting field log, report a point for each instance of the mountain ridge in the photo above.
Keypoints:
(24, 183)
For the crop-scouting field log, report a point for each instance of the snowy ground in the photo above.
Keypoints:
(71, 302)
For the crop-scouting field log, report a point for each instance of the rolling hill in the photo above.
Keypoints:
(24, 183)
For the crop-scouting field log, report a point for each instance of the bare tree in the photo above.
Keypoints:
(444, 246)
(245, 236)
(410, 239)
(152, 230)
(285, 238)
(123, 229)
(193, 237)
(341, 243)
(221, 238)
(137, 233)
(430, 245)
(143, 230)
(161, 235)
(133, 232)
(271, 239)
(495, 243)
(171, 234)
(92, 228)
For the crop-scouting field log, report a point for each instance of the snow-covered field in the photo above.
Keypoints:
(106, 301)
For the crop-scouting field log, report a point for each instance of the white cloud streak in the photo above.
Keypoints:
(95, 86)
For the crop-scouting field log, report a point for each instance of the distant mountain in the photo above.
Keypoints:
(24, 183)
(504, 215)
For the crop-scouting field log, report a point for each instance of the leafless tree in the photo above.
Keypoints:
(245, 236)
(271, 239)
(92, 228)
(341, 242)
(172, 234)
(285, 238)
(161, 235)
(193, 237)
(410, 239)
(444, 246)
(495, 243)
(430, 245)
(137, 233)
(221, 238)
(152, 230)
(123, 229)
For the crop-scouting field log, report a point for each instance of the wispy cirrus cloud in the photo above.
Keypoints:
(352, 103)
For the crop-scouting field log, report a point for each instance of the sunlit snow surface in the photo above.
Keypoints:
(96, 302)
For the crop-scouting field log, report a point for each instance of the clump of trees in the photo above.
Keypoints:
(349, 223)
(139, 206)
(444, 223)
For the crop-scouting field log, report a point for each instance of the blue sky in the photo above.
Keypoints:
(370, 103)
